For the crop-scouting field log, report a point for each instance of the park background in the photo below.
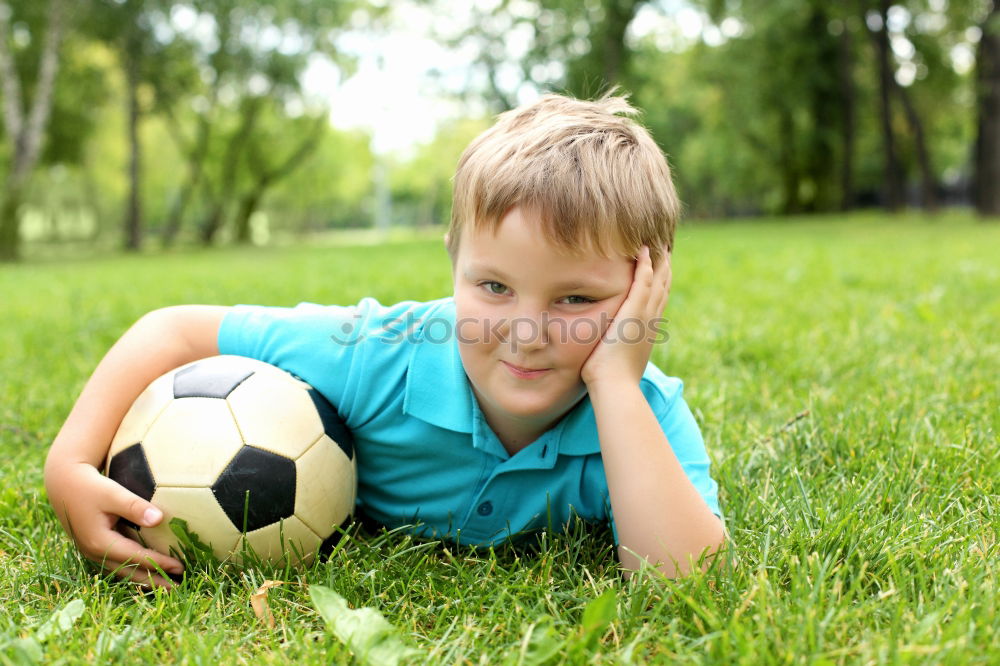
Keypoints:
(150, 124)
(833, 316)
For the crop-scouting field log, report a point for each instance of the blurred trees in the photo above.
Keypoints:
(220, 79)
(28, 74)
(986, 193)
(191, 119)
(777, 106)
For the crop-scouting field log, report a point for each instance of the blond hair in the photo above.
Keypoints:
(595, 176)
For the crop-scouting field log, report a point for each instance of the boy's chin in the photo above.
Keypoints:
(536, 411)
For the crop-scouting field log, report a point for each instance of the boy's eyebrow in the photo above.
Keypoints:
(568, 285)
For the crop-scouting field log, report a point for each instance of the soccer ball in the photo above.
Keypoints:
(245, 453)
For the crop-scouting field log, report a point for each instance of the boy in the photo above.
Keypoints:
(526, 397)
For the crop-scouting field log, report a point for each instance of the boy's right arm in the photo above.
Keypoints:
(89, 504)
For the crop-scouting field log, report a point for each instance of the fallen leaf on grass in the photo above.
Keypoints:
(599, 613)
(258, 600)
(369, 636)
(60, 621)
(28, 648)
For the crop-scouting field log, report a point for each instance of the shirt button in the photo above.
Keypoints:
(485, 509)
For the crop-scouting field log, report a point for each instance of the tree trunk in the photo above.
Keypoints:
(819, 157)
(618, 15)
(10, 228)
(25, 134)
(892, 187)
(928, 184)
(790, 176)
(847, 119)
(607, 62)
(133, 208)
(265, 178)
(230, 163)
(248, 205)
(986, 179)
(195, 169)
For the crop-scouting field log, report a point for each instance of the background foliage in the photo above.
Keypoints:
(192, 121)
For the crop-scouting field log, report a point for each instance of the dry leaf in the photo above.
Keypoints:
(258, 600)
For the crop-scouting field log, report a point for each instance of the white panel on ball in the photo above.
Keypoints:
(277, 416)
(203, 515)
(191, 442)
(146, 408)
(326, 469)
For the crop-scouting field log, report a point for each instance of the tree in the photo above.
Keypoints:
(330, 188)
(267, 169)
(125, 26)
(607, 60)
(780, 77)
(24, 126)
(986, 180)
(848, 113)
(258, 52)
(893, 176)
(562, 45)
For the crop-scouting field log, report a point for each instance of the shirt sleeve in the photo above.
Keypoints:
(327, 346)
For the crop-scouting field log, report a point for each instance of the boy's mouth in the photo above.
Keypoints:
(525, 373)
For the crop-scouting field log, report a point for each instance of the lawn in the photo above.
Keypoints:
(845, 375)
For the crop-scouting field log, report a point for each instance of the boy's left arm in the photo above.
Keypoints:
(659, 514)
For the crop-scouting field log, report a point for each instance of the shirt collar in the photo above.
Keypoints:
(437, 388)
(578, 431)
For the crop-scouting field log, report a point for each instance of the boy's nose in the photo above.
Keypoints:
(528, 332)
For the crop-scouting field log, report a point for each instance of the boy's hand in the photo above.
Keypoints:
(624, 350)
(89, 504)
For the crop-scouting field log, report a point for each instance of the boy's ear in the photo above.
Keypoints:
(446, 237)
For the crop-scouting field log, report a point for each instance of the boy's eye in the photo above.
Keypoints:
(493, 287)
(578, 300)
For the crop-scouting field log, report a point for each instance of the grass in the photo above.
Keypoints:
(845, 375)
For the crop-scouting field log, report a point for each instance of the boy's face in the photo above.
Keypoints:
(528, 316)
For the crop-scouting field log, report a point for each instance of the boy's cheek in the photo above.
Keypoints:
(576, 339)
(470, 331)
(585, 331)
(477, 326)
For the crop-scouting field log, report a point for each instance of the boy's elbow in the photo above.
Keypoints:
(715, 540)
(712, 556)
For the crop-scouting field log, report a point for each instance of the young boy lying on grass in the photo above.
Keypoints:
(524, 399)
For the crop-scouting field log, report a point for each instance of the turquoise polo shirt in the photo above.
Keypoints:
(426, 457)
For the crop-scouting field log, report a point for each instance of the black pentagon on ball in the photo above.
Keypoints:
(130, 468)
(333, 425)
(213, 378)
(256, 488)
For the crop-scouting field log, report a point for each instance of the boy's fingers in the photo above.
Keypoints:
(648, 261)
(130, 506)
(643, 276)
(125, 550)
(664, 266)
(664, 276)
(136, 574)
